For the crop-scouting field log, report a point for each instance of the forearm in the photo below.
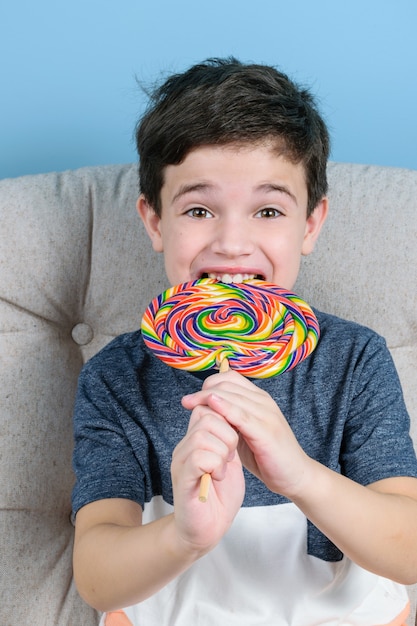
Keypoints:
(116, 566)
(376, 530)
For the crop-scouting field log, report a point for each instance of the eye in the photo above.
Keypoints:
(268, 213)
(199, 212)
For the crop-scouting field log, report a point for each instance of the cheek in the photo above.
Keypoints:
(178, 258)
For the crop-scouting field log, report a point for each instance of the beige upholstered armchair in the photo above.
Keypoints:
(76, 269)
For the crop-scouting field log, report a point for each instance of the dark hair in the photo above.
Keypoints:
(224, 101)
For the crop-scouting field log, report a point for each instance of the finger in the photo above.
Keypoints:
(229, 376)
(257, 418)
(251, 396)
(190, 464)
(229, 382)
(211, 432)
(206, 419)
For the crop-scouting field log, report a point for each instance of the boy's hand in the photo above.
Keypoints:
(210, 446)
(359, 520)
(267, 447)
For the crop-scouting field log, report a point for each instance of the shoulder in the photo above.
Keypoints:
(116, 366)
(331, 325)
(127, 349)
(126, 363)
(349, 352)
(347, 337)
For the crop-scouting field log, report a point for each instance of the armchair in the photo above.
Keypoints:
(76, 269)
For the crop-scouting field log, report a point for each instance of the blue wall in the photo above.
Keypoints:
(69, 96)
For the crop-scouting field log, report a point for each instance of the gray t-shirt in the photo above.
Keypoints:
(344, 404)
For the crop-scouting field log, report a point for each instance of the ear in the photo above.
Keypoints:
(151, 221)
(314, 225)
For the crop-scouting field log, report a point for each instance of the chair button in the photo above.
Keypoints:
(82, 334)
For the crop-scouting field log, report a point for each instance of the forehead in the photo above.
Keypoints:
(240, 167)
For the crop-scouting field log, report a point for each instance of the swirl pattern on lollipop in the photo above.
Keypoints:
(262, 329)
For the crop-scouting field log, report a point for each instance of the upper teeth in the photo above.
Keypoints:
(231, 278)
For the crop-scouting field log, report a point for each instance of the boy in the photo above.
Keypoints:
(313, 505)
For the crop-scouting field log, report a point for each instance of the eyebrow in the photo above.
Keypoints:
(206, 187)
(268, 187)
(190, 188)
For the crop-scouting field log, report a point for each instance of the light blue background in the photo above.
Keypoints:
(69, 97)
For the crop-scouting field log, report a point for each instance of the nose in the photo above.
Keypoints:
(233, 238)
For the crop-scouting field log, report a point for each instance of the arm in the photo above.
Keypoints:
(375, 526)
(114, 555)
(119, 562)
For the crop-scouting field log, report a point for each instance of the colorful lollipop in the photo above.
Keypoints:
(263, 330)
(257, 328)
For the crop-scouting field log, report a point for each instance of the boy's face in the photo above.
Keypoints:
(233, 212)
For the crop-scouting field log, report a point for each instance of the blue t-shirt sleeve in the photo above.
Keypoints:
(104, 462)
(377, 443)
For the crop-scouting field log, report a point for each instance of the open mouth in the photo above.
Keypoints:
(232, 278)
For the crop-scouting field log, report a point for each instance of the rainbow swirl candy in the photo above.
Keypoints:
(263, 330)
